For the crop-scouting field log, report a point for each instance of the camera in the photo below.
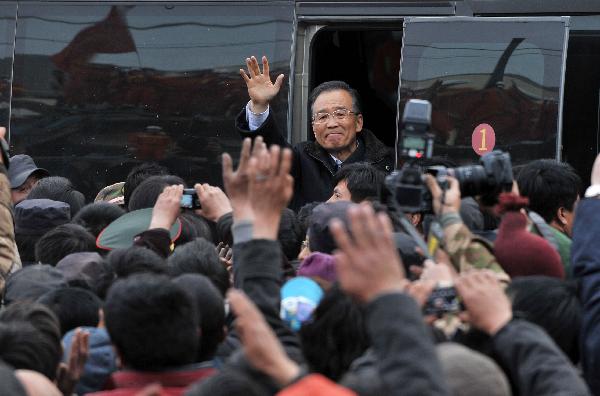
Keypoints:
(189, 199)
(443, 300)
(406, 186)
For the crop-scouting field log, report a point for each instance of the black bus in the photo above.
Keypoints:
(92, 88)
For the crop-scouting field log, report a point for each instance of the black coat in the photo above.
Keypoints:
(312, 168)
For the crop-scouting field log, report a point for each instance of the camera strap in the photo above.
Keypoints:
(543, 228)
(414, 234)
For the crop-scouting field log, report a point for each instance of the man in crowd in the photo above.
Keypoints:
(337, 126)
(23, 175)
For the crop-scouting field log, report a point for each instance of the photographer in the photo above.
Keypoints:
(466, 250)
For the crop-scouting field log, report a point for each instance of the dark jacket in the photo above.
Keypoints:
(312, 167)
(585, 263)
(535, 365)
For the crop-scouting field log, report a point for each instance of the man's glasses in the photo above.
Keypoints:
(339, 114)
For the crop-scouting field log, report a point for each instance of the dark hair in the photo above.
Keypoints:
(48, 330)
(73, 306)
(290, 235)
(549, 185)
(24, 347)
(303, 216)
(60, 189)
(146, 194)
(229, 382)
(363, 180)
(552, 304)
(192, 227)
(62, 241)
(96, 216)
(210, 306)
(152, 323)
(329, 86)
(138, 174)
(26, 246)
(336, 335)
(135, 259)
(9, 383)
(199, 257)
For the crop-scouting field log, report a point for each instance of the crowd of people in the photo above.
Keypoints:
(299, 277)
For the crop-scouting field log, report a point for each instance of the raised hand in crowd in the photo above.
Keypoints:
(69, 374)
(167, 207)
(214, 202)
(367, 262)
(486, 303)
(260, 87)
(261, 347)
(444, 201)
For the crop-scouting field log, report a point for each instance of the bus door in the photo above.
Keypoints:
(494, 83)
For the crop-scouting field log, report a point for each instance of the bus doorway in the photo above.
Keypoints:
(368, 60)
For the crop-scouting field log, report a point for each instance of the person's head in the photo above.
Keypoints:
(135, 259)
(229, 382)
(146, 194)
(152, 323)
(357, 182)
(24, 347)
(138, 174)
(30, 282)
(58, 189)
(35, 217)
(96, 216)
(318, 235)
(73, 306)
(62, 241)
(290, 235)
(23, 175)
(336, 116)
(336, 336)
(210, 306)
(47, 330)
(192, 227)
(552, 304)
(553, 189)
(199, 257)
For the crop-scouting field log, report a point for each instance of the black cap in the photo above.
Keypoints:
(21, 167)
(319, 237)
(31, 282)
(37, 216)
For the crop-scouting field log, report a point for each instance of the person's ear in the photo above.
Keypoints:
(359, 122)
(415, 219)
(561, 215)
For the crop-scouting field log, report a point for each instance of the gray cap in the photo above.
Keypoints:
(21, 167)
(37, 216)
(29, 283)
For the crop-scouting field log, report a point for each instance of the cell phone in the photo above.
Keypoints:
(443, 300)
(189, 199)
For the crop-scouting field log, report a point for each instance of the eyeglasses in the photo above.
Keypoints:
(339, 114)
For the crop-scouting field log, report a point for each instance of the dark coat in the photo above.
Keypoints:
(585, 263)
(312, 168)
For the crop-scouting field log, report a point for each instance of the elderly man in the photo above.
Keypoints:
(337, 125)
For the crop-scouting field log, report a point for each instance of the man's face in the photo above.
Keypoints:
(20, 193)
(336, 135)
(340, 192)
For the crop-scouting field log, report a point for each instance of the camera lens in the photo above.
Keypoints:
(472, 179)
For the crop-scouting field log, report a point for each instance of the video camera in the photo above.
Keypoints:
(406, 186)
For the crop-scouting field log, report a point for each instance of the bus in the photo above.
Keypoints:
(90, 89)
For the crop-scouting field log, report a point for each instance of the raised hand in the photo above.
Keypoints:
(214, 202)
(261, 347)
(444, 201)
(167, 207)
(260, 87)
(70, 373)
(367, 262)
(487, 305)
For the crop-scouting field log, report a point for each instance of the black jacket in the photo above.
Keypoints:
(313, 168)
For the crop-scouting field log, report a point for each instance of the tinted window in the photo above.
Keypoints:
(103, 88)
(7, 38)
(504, 74)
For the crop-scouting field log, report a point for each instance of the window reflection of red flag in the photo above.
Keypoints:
(109, 36)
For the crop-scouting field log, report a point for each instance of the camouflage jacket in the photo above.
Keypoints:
(467, 250)
(9, 255)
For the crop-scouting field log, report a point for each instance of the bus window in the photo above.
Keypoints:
(7, 38)
(501, 78)
(368, 60)
(101, 88)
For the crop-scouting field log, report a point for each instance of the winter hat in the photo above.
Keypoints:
(318, 265)
(469, 373)
(319, 237)
(84, 266)
(518, 251)
(37, 216)
(31, 282)
(299, 298)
